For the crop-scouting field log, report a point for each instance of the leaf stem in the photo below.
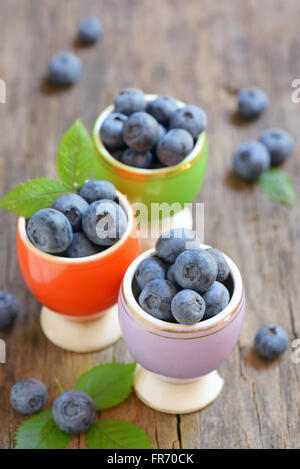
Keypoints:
(58, 383)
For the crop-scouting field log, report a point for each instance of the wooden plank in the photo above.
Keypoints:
(200, 53)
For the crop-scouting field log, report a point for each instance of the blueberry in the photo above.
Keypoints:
(187, 307)
(72, 206)
(9, 308)
(173, 147)
(271, 341)
(138, 159)
(149, 269)
(251, 102)
(156, 298)
(161, 132)
(171, 275)
(157, 164)
(112, 129)
(130, 100)
(162, 108)
(117, 154)
(172, 242)
(28, 396)
(50, 231)
(216, 299)
(104, 222)
(74, 411)
(97, 190)
(90, 30)
(223, 269)
(81, 247)
(140, 131)
(279, 143)
(195, 269)
(250, 160)
(64, 69)
(191, 118)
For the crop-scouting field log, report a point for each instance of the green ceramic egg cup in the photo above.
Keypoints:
(178, 185)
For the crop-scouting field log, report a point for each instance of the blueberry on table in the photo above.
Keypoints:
(174, 146)
(28, 396)
(81, 247)
(137, 159)
(90, 30)
(271, 341)
(251, 102)
(156, 298)
(130, 100)
(64, 69)
(172, 242)
(50, 231)
(188, 307)
(216, 299)
(74, 411)
(72, 206)
(250, 160)
(104, 222)
(112, 129)
(9, 309)
(161, 108)
(191, 118)
(140, 131)
(97, 190)
(196, 270)
(223, 268)
(279, 143)
(149, 269)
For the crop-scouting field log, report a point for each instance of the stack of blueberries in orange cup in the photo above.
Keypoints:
(73, 257)
(154, 149)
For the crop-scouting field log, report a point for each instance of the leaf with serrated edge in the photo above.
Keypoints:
(31, 196)
(41, 432)
(278, 185)
(108, 384)
(75, 156)
(116, 434)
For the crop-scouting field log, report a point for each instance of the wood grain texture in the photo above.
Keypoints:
(200, 52)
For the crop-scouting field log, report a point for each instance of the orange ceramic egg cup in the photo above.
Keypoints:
(79, 295)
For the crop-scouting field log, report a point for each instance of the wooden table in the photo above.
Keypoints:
(200, 52)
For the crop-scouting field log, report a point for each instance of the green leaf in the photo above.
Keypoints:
(116, 434)
(27, 198)
(278, 185)
(108, 384)
(75, 157)
(40, 432)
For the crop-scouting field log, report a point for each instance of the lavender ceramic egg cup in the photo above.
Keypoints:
(177, 363)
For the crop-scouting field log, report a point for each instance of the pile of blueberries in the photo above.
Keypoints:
(151, 135)
(252, 158)
(79, 225)
(73, 411)
(182, 282)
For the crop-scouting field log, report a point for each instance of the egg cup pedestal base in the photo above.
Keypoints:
(153, 229)
(174, 396)
(92, 335)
